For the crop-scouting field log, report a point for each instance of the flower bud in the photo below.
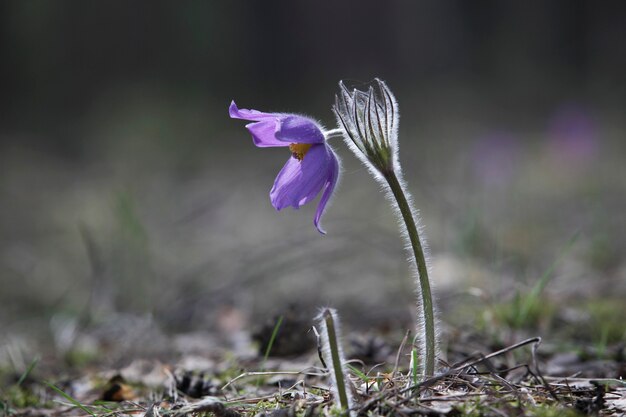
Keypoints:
(369, 120)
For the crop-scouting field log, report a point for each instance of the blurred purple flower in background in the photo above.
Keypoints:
(495, 158)
(312, 167)
(572, 134)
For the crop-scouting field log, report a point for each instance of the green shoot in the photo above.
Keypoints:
(531, 301)
(358, 374)
(415, 365)
(270, 343)
(334, 358)
(279, 322)
(528, 308)
(69, 398)
(27, 371)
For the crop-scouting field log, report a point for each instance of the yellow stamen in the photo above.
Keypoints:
(298, 150)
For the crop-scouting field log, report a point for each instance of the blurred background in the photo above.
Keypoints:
(127, 191)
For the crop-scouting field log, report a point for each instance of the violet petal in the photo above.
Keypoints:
(300, 181)
(298, 129)
(251, 115)
(329, 187)
(278, 129)
(263, 129)
(264, 133)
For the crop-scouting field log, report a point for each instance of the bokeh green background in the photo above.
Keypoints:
(126, 189)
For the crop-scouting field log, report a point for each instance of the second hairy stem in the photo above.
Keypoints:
(422, 271)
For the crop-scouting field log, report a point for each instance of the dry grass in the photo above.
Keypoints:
(480, 385)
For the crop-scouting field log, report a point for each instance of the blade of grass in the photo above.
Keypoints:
(547, 275)
(415, 365)
(533, 297)
(279, 322)
(270, 343)
(358, 373)
(28, 371)
(69, 398)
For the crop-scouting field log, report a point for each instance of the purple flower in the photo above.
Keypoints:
(312, 167)
(573, 134)
(496, 157)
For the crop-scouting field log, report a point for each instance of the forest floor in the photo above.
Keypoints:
(275, 370)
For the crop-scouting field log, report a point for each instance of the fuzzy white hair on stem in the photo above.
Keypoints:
(370, 126)
(332, 353)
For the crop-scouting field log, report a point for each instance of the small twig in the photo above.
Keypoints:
(456, 368)
(319, 346)
(536, 363)
(567, 380)
(264, 373)
(400, 349)
(209, 404)
(535, 340)
(494, 373)
(138, 408)
(245, 400)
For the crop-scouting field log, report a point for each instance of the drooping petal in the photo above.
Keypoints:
(264, 133)
(278, 129)
(299, 129)
(329, 187)
(251, 115)
(300, 181)
(263, 129)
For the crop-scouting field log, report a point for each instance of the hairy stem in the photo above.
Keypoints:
(337, 366)
(422, 271)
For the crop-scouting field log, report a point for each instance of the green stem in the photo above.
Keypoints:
(422, 271)
(337, 366)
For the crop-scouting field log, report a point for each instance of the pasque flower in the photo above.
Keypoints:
(369, 122)
(312, 167)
